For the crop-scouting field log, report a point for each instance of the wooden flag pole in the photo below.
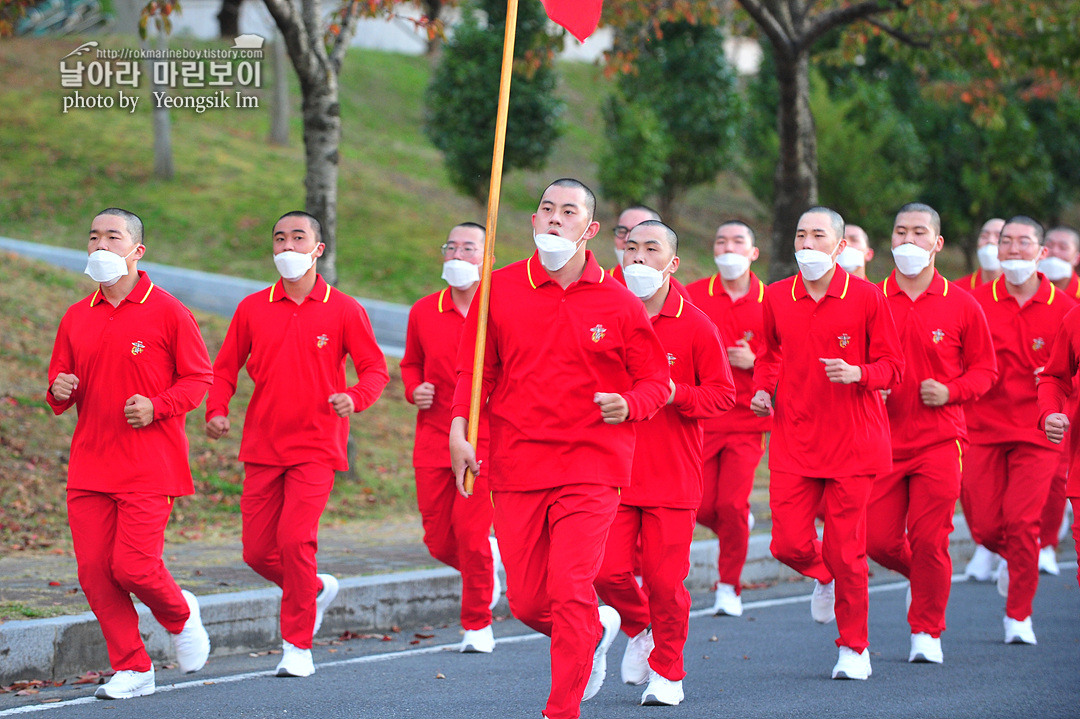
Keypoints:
(492, 221)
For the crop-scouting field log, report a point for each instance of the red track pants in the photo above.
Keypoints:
(1006, 487)
(725, 505)
(1054, 510)
(665, 561)
(281, 507)
(118, 541)
(552, 545)
(841, 554)
(908, 520)
(456, 533)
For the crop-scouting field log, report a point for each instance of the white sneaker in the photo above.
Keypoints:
(981, 565)
(295, 662)
(727, 601)
(192, 644)
(1003, 579)
(611, 621)
(661, 692)
(478, 641)
(852, 665)
(823, 601)
(496, 563)
(750, 521)
(1019, 632)
(1048, 561)
(127, 684)
(925, 649)
(635, 660)
(324, 598)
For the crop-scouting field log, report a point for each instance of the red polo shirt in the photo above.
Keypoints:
(970, 282)
(1009, 412)
(295, 354)
(431, 349)
(945, 337)
(738, 320)
(1073, 288)
(667, 457)
(150, 345)
(823, 428)
(549, 351)
(1057, 390)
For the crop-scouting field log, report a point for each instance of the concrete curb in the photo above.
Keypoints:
(247, 621)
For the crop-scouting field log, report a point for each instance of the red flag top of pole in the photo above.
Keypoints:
(580, 18)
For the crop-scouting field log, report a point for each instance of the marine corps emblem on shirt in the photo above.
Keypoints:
(321, 341)
(670, 360)
(748, 336)
(938, 335)
(598, 332)
(137, 347)
(845, 340)
(1037, 344)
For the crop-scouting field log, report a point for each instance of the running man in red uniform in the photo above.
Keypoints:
(949, 360)
(1008, 470)
(830, 346)
(989, 265)
(629, 218)
(734, 441)
(294, 337)
(571, 361)
(1059, 266)
(131, 360)
(457, 531)
(1056, 390)
(665, 488)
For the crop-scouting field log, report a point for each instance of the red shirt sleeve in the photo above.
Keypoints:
(714, 393)
(368, 359)
(466, 358)
(194, 375)
(767, 365)
(61, 362)
(647, 364)
(231, 357)
(1056, 379)
(886, 365)
(412, 364)
(980, 361)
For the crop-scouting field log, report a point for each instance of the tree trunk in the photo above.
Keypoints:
(322, 135)
(433, 8)
(279, 101)
(796, 174)
(229, 19)
(162, 123)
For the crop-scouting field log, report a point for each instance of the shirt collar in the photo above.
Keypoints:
(138, 294)
(446, 301)
(537, 275)
(1045, 294)
(756, 291)
(838, 285)
(938, 285)
(320, 292)
(673, 304)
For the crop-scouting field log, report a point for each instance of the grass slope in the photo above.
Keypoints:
(395, 204)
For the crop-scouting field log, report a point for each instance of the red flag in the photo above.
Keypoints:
(580, 17)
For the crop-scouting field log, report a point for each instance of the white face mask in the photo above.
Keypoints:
(460, 274)
(644, 281)
(732, 265)
(851, 259)
(292, 265)
(910, 259)
(107, 267)
(1055, 268)
(988, 259)
(1017, 272)
(813, 264)
(556, 251)
(618, 255)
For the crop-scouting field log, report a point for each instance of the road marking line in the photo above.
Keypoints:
(372, 658)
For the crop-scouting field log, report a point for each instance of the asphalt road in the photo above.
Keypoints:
(772, 662)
